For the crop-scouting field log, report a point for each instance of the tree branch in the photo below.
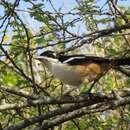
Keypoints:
(83, 105)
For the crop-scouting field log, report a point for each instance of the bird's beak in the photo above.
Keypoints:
(41, 58)
(38, 57)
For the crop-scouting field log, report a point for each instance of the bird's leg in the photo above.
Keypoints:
(88, 92)
(94, 82)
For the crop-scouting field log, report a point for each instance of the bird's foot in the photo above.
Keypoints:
(86, 94)
(94, 95)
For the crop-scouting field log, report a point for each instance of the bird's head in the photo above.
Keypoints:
(47, 56)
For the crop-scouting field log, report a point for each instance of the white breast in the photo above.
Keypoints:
(66, 74)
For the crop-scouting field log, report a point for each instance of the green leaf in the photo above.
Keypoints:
(111, 52)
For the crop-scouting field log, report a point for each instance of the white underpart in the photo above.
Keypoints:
(66, 74)
(63, 72)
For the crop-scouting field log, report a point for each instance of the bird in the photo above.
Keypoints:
(75, 70)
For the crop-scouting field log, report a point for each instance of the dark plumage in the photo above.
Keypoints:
(82, 59)
(48, 53)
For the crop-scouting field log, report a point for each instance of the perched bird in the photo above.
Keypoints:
(75, 70)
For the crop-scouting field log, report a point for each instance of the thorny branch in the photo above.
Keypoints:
(69, 107)
(82, 105)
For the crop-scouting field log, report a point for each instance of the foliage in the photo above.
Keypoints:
(30, 26)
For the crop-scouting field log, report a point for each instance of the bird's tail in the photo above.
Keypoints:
(120, 61)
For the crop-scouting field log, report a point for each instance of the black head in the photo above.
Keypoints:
(49, 53)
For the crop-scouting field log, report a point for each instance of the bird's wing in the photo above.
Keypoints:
(81, 59)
